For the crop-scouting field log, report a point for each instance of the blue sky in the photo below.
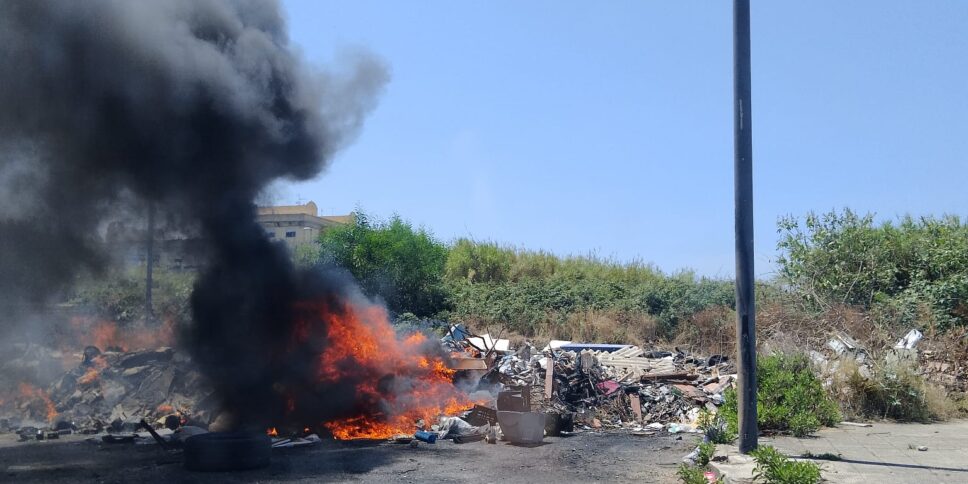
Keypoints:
(606, 127)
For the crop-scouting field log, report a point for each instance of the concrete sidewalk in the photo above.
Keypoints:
(884, 452)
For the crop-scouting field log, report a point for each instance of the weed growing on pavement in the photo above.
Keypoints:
(706, 451)
(822, 456)
(715, 427)
(694, 475)
(773, 467)
(790, 398)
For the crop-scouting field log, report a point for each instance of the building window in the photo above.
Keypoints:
(270, 234)
(291, 234)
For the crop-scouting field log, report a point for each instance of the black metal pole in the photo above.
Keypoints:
(149, 261)
(743, 169)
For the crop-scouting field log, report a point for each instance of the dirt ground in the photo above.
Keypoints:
(585, 457)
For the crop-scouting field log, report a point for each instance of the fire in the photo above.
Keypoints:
(31, 392)
(363, 347)
(98, 363)
(89, 377)
(109, 335)
(272, 432)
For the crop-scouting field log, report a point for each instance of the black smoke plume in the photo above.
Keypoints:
(193, 105)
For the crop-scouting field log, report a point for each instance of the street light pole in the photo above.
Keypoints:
(743, 173)
(149, 261)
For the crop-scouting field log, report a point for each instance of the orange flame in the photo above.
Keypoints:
(109, 335)
(363, 346)
(272, 432)
(29, 391)
(98, 364)
(89, 377)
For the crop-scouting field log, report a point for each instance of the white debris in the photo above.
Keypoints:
(909, 340)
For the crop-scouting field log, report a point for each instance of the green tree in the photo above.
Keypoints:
(477, 262)
(391, 259)
(845, 258)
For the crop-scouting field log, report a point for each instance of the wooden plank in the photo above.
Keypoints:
(677, 375)
(468, 364)
(549, 378)
(690, 392)
(636, 406)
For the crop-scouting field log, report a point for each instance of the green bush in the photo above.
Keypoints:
(790, 398)
(895, 391)
(393, 260)
(716, 427)
(845, 258)
(773, 467)
(706, 451)
(482, 263)
(539, 293)
(120, 295)
(692, 475)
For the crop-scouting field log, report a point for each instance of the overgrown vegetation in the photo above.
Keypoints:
(120, 295)
(528, 292)
(715, 427)
(392, 260)
(790, 398)
(893, 389)
(696, 474)
(843, 257)
(693, 475)
(579, 297)
(912, 273)
(706, 451)
(773, 467)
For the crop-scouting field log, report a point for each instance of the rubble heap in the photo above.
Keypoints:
(619, 385)
(598, 385)
(112, 388)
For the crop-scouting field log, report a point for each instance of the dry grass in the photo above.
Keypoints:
(890, 390)
(806, 329)
(780, 327)
(709, 332)
(592, 326)
(598, 326)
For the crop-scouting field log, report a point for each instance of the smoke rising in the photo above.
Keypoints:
(194, 105)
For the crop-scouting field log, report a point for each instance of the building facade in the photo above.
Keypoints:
(297, 224)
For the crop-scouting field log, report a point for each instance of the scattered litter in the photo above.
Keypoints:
(909, 340)
(311, 439)
(425, 436)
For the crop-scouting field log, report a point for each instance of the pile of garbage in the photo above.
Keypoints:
(530, 393)
(939, 367)
(113, 390)
(596, 386)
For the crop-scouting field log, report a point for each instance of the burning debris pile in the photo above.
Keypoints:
(192, 109)
(105, 390)
(110, 389)
(366, 381)
(395, 386)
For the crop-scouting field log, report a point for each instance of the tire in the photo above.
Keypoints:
(227, 451)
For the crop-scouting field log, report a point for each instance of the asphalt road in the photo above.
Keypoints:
(585, 457)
